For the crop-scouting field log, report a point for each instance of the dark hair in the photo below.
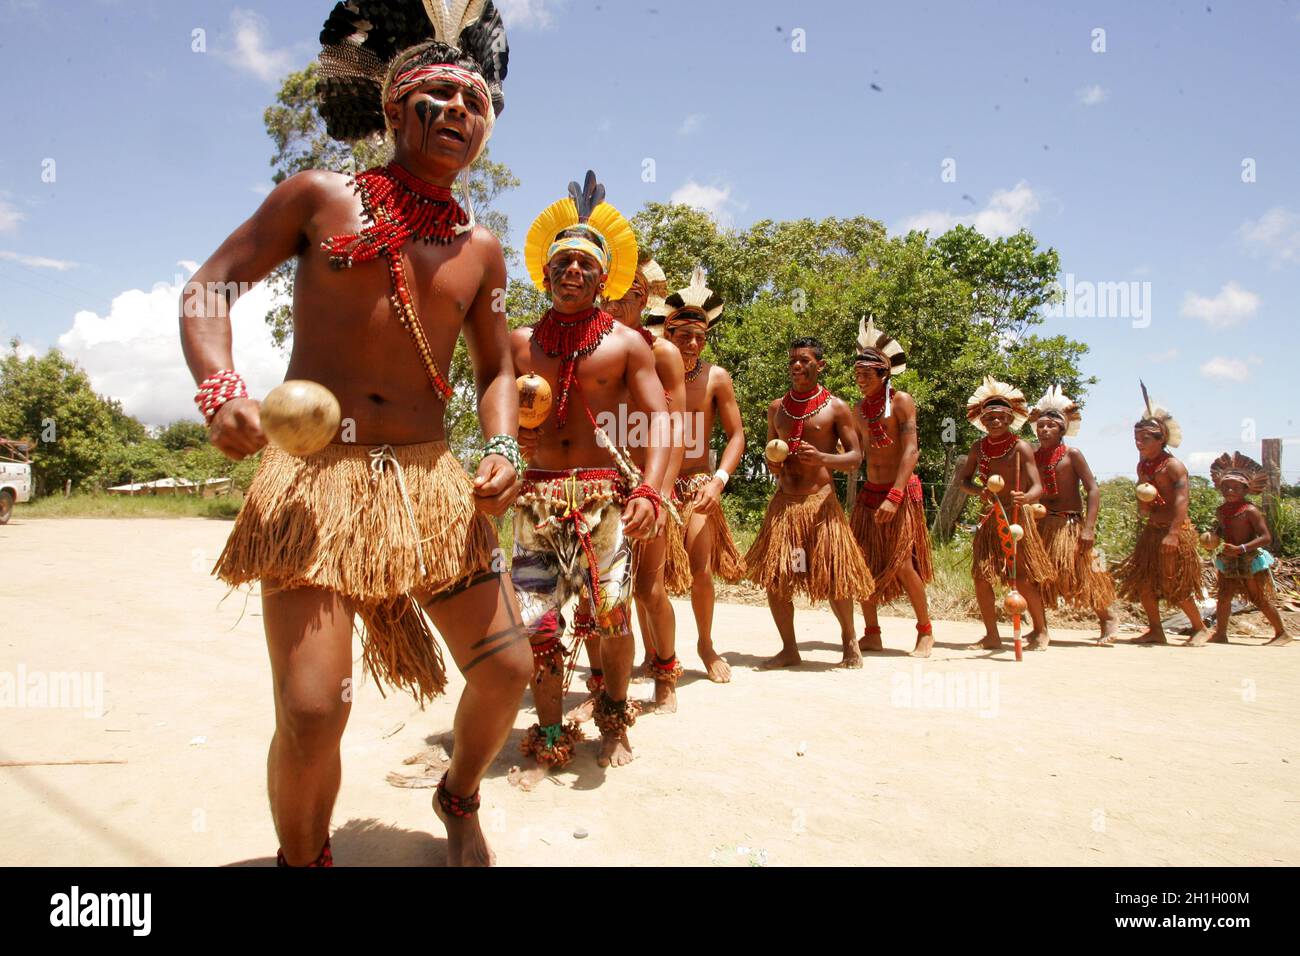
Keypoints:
(809, 342)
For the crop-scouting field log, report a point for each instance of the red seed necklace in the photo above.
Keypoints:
(1047, 462)
(799, 408)
(989, 452)
(873, 410)
(410, 207)
(568, 338)
(1147, 471)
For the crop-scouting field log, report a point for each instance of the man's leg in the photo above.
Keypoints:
(1223, 610)
(487, 638)
(870, 626)
(915, 588)
(1200, 633)
(782, 608)
(653, 597)
(1039, 638)
(699, 547)
(843, 611)
(1109, 621)
(1155, 632)
(617, 650)
(987, 602)
(309, 637)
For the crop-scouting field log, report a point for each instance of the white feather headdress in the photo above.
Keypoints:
(697, 300)
(1000, 393)
(873, 343)
(1056, 403)
(1161, 417)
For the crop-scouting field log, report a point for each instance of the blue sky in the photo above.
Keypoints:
(1129, 162)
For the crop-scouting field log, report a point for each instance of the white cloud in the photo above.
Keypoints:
(1008, 211)
(1232, 306)
(252, 52)
(1167, 356)
(1199, 461)
(690, 124)
(715, 200)
(527, 14)
(37, 262)
(1274, 235)
(133, 353)
(1223, 369)
(26, 351)
(1092, 95)
(262, 189)
(9, 217)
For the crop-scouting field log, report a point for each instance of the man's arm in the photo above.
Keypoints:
(773, 466)
(1182, 498)
(274, 233)
(734, 428)
(846, 432)
(488, 342)
(905, 412)
(671, 372)
(646, 392)
(1092, 490)
(1028, 470)
(1263, 537)
(966, 474)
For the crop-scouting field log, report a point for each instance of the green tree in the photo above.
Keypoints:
(48, 400)
(182, 434)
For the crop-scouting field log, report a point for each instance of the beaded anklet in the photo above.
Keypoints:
(453, 805)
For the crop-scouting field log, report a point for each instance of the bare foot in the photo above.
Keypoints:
(1106, 640)
(924, 644)
(852, 659)
(642, 669)
(526, 778)
(989, 642)
(870, 641)
(583, 712)
(466, 845)
(785, 659)
(1151, 636)
(1109, 631)
(1198, 639)
(719, 671)
(665, 697)
(614, 751)
(1220, 638)
(1281, 640)
(1038, 641)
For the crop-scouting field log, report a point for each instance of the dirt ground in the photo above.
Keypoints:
(1079, 756)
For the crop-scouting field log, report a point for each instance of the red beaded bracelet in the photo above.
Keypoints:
(647, 491)
(895, 495)
(217, 389)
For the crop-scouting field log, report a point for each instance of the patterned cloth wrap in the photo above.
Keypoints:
(567, 525)
(1244, 565)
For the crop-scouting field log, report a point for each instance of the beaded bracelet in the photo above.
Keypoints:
(895, 495)
(647, 491)
(217, 389)
(507, 446)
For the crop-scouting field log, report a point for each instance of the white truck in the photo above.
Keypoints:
(15, 475)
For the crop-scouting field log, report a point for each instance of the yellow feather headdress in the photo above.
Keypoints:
(993, 391)
(585, 207)
(1059, 405)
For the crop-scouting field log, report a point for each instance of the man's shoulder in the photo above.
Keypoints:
(903, 401)
(321, 184)
(719, 375)
(1075, 455)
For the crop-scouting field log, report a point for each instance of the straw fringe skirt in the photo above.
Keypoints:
(726, 562)
(1081, 578)
(1031, 557)
(806, 545)
(890, 547)
(1173, 578)
(339, 520)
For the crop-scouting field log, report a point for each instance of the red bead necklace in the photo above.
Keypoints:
(569, 338)
(799, 408)
(989, 452)
(1047, 462)
(411, 208)
(1227, 512)
(873, 410)
(1147, 471)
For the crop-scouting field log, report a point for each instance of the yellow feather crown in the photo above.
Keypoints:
(620, 241)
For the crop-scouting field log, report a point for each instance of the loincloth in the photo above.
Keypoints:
(890, 547)
(1173, 578)
(339, 520)
(806, 545)
(569, 526)
(989, 558)
(725, 561)
(1080, 578)
(1248, 574)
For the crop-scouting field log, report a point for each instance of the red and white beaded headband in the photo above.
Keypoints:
(409, 80)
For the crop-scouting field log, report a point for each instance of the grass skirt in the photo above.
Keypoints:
(806, 546)
(338, 520)
(726, 562)
(1031, 557)
(1081, 577)
(890, 547)
(1173, 578)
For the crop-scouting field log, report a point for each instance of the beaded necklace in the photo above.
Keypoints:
(400, 206)
(873, 410)
(1227, 512)
(989, 453)
(569, 339)
(694, 373)
(1047, 462)
(1147, 471)
(800, 408)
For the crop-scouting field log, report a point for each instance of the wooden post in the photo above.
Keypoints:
(67, 488)
(945, 520)
(1271, 459)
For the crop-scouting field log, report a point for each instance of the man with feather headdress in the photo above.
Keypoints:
(1164, 565)
(889, 516)
(1243, 565)
(576, 516)
(1067, 526)
(384, 523)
